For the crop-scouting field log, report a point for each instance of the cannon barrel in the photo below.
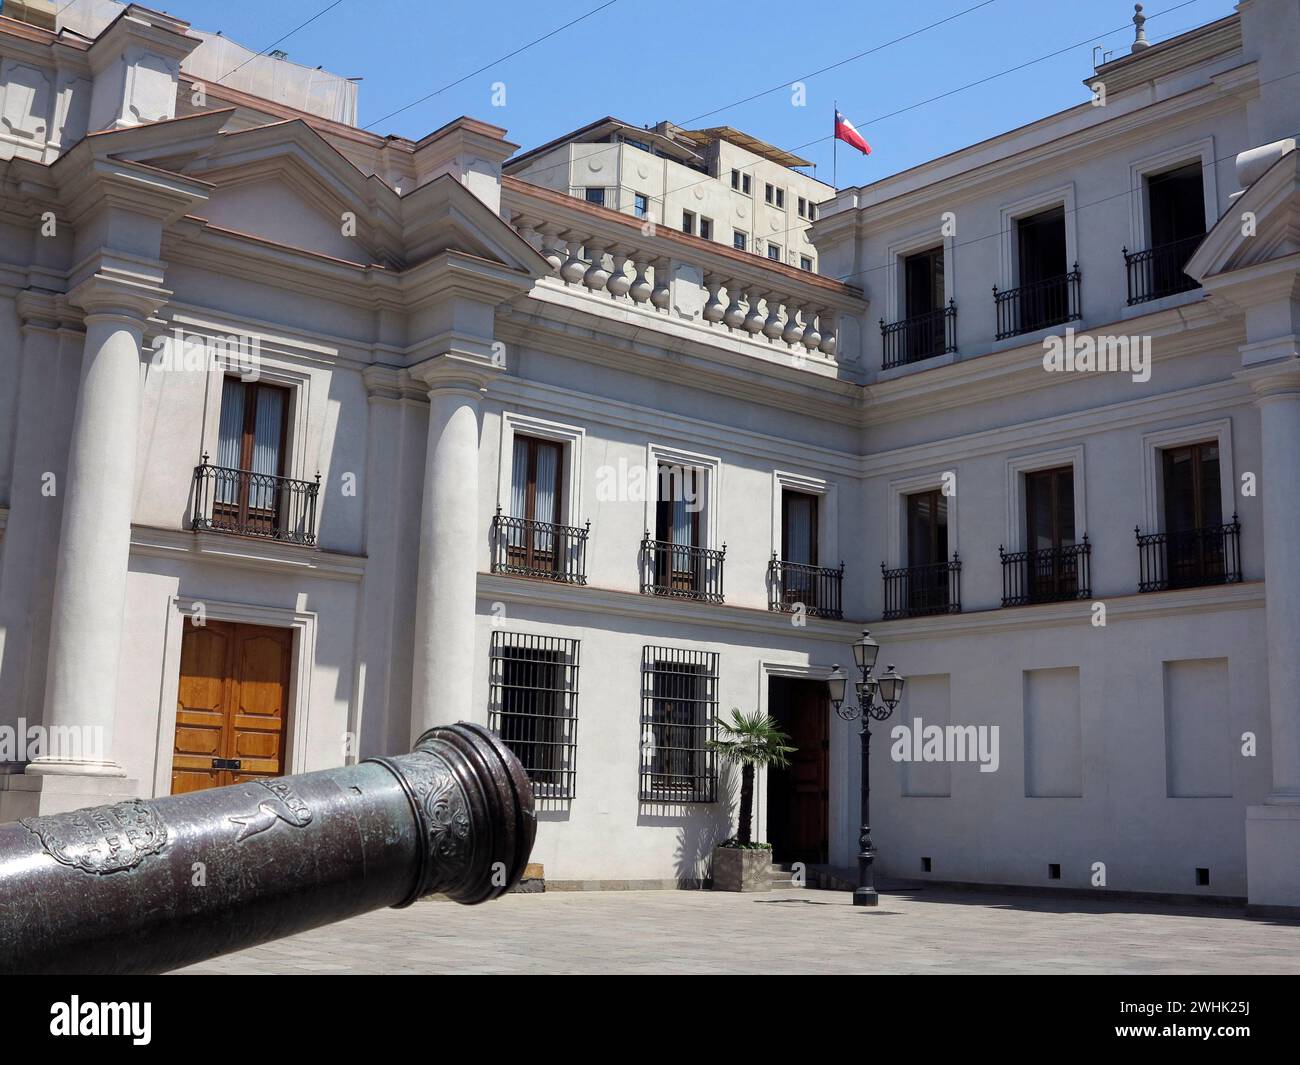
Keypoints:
(151, 885)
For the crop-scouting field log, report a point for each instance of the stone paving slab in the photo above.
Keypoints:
(786, 931)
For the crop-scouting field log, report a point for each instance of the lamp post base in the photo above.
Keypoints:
(866, 896)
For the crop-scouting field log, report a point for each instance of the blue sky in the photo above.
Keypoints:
(644, 63)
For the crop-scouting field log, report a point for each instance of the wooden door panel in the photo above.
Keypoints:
(801, 790)
(201, 706)
(232, 703)
(261, 685)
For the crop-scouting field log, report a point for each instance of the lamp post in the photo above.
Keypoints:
(889, 688)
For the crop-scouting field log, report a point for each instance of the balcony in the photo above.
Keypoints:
(1158, 271)
(680, 571)
(522, 547)
(254, 504)
(1190, 558)
(817, 590)
(1038, 305)
(920, 337)
(627, 263)
(1053, 575)
(920, 591)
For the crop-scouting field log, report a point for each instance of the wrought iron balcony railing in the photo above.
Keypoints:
(1158, 271)
(681, 571)
(918, 591)
(254, 504)
(1189, 558)
(1047, 576)
(1038, 304)
(920, 337)
(816, 589)
(527, 548)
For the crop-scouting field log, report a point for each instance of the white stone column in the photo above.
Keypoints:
(1278, 399)
(1273, 827)
(95, 541)
(447, 581)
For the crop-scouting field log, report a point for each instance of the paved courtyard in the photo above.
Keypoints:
(791, 931)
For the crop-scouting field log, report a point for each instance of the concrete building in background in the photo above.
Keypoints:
(311, 438)
(718, 184)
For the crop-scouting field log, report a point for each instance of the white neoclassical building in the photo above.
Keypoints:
(314, 437)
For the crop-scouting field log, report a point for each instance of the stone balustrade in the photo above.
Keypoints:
(640, 262)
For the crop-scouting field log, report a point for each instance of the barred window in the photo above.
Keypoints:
(679, 703)
(534, 707)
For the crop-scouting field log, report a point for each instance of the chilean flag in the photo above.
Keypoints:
(847, 132)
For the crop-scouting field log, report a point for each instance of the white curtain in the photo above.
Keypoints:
(798, 531)
(518, 491)
(684, 499)
(544, 496)
(230, 439)
(266, 446)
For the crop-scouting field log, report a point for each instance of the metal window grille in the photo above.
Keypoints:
(679, 707)
(533, 703)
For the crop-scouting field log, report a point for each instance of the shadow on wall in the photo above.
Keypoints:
(700, 827)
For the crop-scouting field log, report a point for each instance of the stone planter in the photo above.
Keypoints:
(741, 870)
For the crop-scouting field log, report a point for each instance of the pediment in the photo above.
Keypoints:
(1262, 225)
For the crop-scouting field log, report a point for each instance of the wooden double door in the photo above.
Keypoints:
(231, 705)
(798, 796)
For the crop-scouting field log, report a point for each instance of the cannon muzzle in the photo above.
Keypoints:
(151, 885)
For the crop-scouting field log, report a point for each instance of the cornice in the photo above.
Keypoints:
(707, 618)
(245, 553)
(669, 351)
(1146, 606)
(1059, 428)
(982, 377)
(1222, 94)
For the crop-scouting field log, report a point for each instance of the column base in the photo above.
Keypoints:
(1273, 857)
(35, 795)
(73, 767)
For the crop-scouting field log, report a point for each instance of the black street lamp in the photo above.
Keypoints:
(889, 688)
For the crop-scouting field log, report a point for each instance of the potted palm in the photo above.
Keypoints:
(750, 741)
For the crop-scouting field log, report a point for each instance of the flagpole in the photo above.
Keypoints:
(835, 144)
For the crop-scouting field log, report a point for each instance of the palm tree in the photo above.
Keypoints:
(751, 740)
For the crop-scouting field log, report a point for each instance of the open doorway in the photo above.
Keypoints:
(798, 796)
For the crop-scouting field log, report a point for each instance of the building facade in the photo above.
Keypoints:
(718, 183)
(315, 438)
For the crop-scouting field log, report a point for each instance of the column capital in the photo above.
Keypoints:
(456, 370)
(112, 290)
(1275, 380)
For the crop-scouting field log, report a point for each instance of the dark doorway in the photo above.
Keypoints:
(798, 796)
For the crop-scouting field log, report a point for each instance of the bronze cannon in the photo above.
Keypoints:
(151, 885)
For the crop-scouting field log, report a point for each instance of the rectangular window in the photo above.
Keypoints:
(739, 240)
(679, 707)
(1051, 571)
(803, 207)
(706, 228)
(805, 263)
(251, 448)
(533, 703)
(927, 552)
(740, 181)
(1176, 204)
(1191, 482)
(769, 192)
(640, 204)
(677, 523)
(596, 196)
(688, 222)
(774, 251)
(780, 198)
(812, 211)
(799, 527)
(923, 282)
(735, 180)
(927, 528)
(535, 471)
